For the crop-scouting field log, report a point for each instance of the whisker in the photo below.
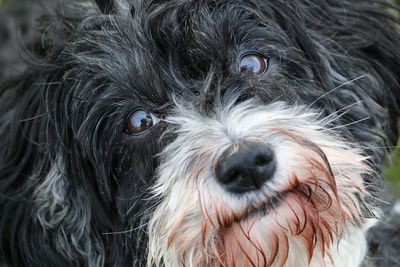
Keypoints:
(328, 119)
(334, 89)
(349, 124)
(391, 147)
(126, 231)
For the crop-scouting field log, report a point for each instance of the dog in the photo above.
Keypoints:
(199, 133)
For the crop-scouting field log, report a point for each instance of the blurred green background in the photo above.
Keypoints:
(392, 172)
(393, 167)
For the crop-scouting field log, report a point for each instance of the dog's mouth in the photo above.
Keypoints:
(259, 210)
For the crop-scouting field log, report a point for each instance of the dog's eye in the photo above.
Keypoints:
(140, 121)
(253, 63)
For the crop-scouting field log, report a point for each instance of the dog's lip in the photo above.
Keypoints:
(261, 209)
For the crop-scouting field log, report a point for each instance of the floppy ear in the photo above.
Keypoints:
(51, 211)
(35, 191)
(53, 214)
(106, 6)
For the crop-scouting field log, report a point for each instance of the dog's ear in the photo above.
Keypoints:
(33, 186)
(52, 214)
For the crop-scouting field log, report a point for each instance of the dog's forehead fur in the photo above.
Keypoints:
(176, 45)
(191, 49)
(171, 48)
(89, 180)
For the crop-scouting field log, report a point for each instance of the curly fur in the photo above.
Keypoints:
(76, 190)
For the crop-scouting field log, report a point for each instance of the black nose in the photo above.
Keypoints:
(245, 166)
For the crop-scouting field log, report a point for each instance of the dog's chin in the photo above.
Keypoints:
(249, 229)
(263, 235)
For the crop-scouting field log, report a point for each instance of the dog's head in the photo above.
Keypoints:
(198, 133)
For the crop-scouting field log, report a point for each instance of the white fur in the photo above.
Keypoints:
(352, 248)
(192, 199)
(49, 196)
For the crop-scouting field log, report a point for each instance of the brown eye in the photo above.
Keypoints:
(140, 121)
(253, 64)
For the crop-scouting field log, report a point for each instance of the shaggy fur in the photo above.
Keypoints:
(77, 190)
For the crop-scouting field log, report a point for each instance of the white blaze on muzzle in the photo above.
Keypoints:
(296, 218)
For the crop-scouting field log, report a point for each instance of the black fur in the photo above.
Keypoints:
(106, 7)
(87, 71)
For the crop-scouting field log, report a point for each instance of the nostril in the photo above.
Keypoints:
(229, 176)
(234, 174)
(262, 160)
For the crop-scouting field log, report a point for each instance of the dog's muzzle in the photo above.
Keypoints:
(254, 186)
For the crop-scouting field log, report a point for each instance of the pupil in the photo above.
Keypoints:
(142, 120)
(146, 122)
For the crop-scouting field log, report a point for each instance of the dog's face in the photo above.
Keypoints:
(205, 133)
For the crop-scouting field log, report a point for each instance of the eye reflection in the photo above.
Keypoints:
(140, 121)
(253, 64)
